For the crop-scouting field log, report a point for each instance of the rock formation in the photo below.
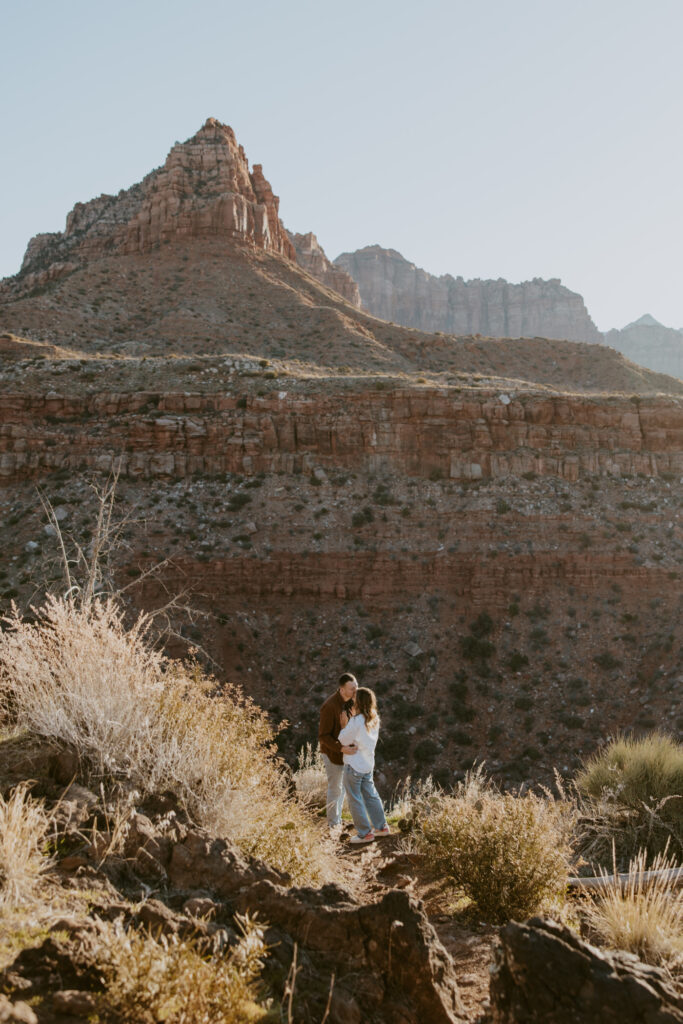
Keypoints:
(394, 289)
(311, 256)
(457, 437)
(205, 188)
(650, 343)
(545, 973)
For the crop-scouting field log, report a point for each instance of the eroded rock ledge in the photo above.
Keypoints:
(425, 432)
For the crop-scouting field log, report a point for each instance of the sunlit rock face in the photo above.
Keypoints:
(205, 188)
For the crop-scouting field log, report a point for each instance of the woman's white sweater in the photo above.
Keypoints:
(355, 732)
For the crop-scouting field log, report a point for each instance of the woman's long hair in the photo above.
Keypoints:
(366, 705)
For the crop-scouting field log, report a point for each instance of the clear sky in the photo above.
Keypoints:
(487, 138)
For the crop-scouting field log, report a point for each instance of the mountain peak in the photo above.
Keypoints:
(645, 321)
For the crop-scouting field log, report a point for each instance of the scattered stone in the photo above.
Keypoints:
(73, 1002)
(413, 649)
(201, 906)
(16, 1013)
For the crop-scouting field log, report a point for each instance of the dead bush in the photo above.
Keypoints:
(23, 826)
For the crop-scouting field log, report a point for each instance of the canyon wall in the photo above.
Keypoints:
(394, 289)
(431, 432)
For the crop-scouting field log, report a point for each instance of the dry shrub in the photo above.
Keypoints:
(509, 854)
(79, 676)
(643, 915)
(149, 979)
(310, 778)
(412, 801)
(23, 826)
(632, 798)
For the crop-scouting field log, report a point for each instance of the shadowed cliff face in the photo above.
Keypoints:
(394, 289)
(649, 343)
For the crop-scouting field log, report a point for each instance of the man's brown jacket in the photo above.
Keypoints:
(330, 727)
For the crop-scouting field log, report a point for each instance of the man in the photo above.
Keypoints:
(332, 750)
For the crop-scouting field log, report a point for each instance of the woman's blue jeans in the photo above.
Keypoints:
(364, 801)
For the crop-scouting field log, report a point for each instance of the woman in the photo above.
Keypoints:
(362, 729)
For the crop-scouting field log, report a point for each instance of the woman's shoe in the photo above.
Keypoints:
(386, 831)
(369, 838)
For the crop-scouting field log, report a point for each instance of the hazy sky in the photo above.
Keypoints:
(487, 138)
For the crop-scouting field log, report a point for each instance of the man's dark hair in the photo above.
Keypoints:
(346, 677)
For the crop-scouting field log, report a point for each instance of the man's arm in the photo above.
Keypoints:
(328, 743)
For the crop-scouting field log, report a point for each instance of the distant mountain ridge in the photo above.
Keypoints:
(651, 344)
(394, 289)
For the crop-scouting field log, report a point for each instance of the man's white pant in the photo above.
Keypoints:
(335, 791)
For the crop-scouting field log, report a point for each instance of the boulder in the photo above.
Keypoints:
(543, 973)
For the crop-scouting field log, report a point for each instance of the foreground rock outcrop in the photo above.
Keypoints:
(545, 974)
(379, 962)
(393, 288)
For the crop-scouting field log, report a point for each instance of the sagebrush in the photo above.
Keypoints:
(510, 854)
(148, 979)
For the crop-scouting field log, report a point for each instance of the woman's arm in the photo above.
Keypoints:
(350, 731)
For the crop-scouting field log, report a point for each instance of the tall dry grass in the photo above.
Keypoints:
(643, 915)
(148, 979)
(79, 676)
(310, 777)
(23, 828)
(510, 854)
(631, 795)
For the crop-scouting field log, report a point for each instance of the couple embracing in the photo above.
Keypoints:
(349, 727)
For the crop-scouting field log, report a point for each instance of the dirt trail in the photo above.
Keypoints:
(370, 871)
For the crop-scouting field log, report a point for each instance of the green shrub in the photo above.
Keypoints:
(509, 854)
(425, 750)
(517, 661)
(473, 648)
(633, 794)
(482, 625)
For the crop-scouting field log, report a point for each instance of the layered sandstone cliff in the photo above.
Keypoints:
(650, 343)
(394, 289)
(428, 433)
(205, 188)
(311, 256)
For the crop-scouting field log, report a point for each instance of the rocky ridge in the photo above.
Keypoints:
(205, 188)
(394, 289)
(649, 343)
(311, 256)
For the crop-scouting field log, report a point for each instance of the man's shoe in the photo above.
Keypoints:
(369, 838)
(386, 831)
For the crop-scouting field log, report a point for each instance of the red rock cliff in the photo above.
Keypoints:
(419, 433)
(204, 188)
